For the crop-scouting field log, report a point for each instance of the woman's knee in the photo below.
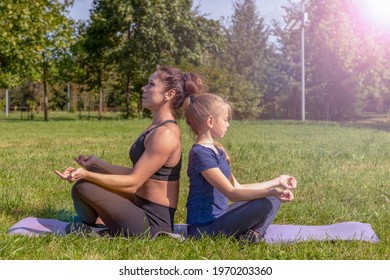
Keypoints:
(79, 189)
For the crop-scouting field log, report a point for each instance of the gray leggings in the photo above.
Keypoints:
(119, 214)
(240, 216)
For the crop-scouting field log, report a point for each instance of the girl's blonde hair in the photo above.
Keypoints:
(199, 107)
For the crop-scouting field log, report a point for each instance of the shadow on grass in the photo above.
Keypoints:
(378, 122)
(379, 126)
(367, 121)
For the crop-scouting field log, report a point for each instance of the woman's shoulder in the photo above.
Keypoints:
(168, 130)
(167, 136)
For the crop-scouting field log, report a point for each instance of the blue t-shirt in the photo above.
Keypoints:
(204, 202)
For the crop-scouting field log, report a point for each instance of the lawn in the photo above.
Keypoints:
(341, 169)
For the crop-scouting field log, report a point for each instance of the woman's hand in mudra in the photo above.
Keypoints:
(66, 175)
(71, 175)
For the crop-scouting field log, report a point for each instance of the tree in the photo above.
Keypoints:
(102, 36)
(331, 56)
(282, 98)
(161, 32)
(19, 29)
(245, 58)
(372, 63)
(55, 43)
(332, 47)
(32, 35)
(133, 37)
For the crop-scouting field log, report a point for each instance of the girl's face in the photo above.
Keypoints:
(220, 123)
(153, 93)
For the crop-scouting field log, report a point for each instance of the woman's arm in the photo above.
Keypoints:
(92, 160)
(160, 146)
(239, 192)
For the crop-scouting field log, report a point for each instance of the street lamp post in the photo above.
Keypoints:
(303, 112)
(294, 25)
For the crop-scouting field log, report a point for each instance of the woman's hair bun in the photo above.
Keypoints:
(192, 84)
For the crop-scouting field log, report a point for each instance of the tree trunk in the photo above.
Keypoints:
(74, 97)
(45, 99)
(100, 102)
(6, 102)
(68, 105)
(128, 97)
(100, 98)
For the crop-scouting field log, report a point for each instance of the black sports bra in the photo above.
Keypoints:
(138, 148)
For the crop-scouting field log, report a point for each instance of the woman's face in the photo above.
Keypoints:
(153, 93)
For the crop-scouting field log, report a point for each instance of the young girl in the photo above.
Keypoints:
(141, 199)
(212, 184)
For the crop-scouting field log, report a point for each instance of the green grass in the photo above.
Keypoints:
(342, 172)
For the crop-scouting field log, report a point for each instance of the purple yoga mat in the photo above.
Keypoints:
(275, 234)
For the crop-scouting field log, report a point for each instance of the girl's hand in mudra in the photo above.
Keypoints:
(284, 195)
(287, 182)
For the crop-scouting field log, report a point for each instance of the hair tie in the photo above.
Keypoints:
(185, 77)
(192, 98)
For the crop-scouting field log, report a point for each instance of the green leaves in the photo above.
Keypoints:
(245, 58)
(344, 65)
(126, 40)
(28, 28)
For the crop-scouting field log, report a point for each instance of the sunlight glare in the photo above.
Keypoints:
(378, 11)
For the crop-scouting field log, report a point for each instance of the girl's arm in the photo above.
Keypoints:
(284, 181)
(161, 144)
(239, 192)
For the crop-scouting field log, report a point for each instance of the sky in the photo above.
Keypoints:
(269, 9)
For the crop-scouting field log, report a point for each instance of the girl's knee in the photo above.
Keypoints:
(268, 204)
(275, 202)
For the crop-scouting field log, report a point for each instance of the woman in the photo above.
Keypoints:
(143, 199)
(212, 184)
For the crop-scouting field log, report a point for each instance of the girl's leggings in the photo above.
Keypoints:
(119, 214)
(240, 216)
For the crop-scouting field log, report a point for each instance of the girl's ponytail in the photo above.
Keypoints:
(219, 145)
